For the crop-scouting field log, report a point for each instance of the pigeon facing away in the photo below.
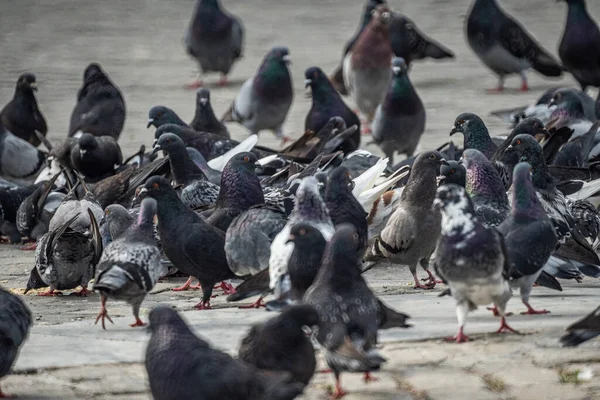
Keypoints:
(18, 159)
(21, 115)
(96, 157)
(528, 234)
(264, 100)
(180, 365)
(280, 344)
(204, 117)
(579, 48)
(367, 66)
(215, 39)
(470, 258)
(476, 134)
(130, 265)
(400, 119)
(504, 46)
(15, 322)
(100, 108)
(583, 330)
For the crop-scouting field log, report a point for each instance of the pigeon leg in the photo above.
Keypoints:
(31, 246)
(365, 128)
(51, 292)
(532, 311)
(500, 87)
(461, 314)
(339, 392)
(83, 292)
(203, 305)
(418, 284)
(431, 278)
(227, 288)
(136, 312)
(524, 85)
(207, 289)
(325, 371)
(196, 84)
(103, 313)
(367, 377)
(504, 328)
(494, 311)
(186, 286)
(257, 304)
(223, 81)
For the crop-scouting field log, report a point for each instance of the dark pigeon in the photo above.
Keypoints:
(504, 46)
(400, 119)
(452, 172)
(576, 152)
(305, 261)
(583, 330)
(161, 115)
(130, 265)
(214, 38)
(15, 323)
(540, 110)
(470, 258)
(22, 115)
(570, 110)
(327, 103)
(96, 157)
(180, 365)
(100, 108)
(36, 210)
(192, 245)
(18, 159)
(528, 234)
(280, 344)
(204, 116)
(475, 132)
(579, 48)
(264, 100)
(11, 199)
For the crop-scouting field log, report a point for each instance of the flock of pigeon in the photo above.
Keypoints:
(305, 222)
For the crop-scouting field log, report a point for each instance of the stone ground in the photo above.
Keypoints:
(138, 42)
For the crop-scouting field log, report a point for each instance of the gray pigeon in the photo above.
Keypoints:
(215, 38)
(264, 100)
(475, 132)
(180, 365)
(116, 220)
(400, 119)
(130, 265)
(504, 46)
(15, 322)
(366, 67)
(470, 258)
(410, 234)
(18, 159)
(204, 117)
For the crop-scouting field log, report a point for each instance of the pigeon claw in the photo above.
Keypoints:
(50, 293)
(367, 377)
(532, 311)
(524, 87)
(104, 315)
(186, 286)
(203, 306)
(82, 293)
(257, 304)
(365, 129)
(505, 328)
(138, 322)
(227, 288)
(194, 85)
(339, 392)
(459, 338)
(29, 247)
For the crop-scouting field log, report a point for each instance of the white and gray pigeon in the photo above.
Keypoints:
(410, 234)
(15, 322)
(264, 100)
(400, 119)
(19, 159)
(130, 265)
(504, 46)
(470, 258)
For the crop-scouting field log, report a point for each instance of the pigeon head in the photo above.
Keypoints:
(203, 97)
(466, 123)
(87, 142)
(243, 161)
(169, 142)
(532, 126)
(452, 172)
(399, 66)
(94, 73)
(456, 207)
(526, 148)
(211, 3)
(321, 178)
(165, 319)
(568, 107)
(427, 163)
(156, 187)
(315, 78)
(524, 196)
(115, 213)
(339, 182)
(35, 281)
(309, 201)
(161, 115)
(381, 16)
(278, 56)
(26, 82)
(303, 232)
(342, 256)
(475, 132)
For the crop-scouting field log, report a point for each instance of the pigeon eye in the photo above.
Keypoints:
(518, 142)
(432, 156)
(155, 186)
(461, 122)
(302, 232)
(246, 159)
(355, 236)
(452, 171)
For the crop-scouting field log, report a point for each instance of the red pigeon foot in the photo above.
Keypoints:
(459, 338)
(32, 246)
(194, 85)
(186, 286)
(103, 314)
(339, 392)
(82, 293)
(203, 306)
(138, 322)
(223, 81)
(369, 378)
(257, 304)
(504, 328)
(50, 292)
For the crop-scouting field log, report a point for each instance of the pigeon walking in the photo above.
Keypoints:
(470, 258)
(204, 117)
(504, 46)
(215, 39)
(21, 115)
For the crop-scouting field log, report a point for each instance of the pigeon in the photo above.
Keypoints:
(410, 234)
(264, 100)
(349, 312)
(411, 44)
(100, 108)
(305, 260)
(579, 48)
(452, 172)
(280, 344)
(343, 206)
(366, 67)
(72, 206)
(470, 258)
(197, 190)
(583, 330)
(476, 134)
(161, 115)
(130, 265)
(11, 199)
(528, 234)
(204, 116)
(215, 39)
(15, 323)
(192, 245)
(504, 46)
(116, 220)
(400, 119)
(337, 78)
(21, 115)
(66, 258)
(485, 188)
(96, 157)
(18, 159)
(576, 152)
(541, 110)
(212, 175)
(327, 103)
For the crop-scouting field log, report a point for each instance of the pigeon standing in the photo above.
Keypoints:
(411, 233)
(130, 265)
(100, 108)
(18, 159)
(204, 117)
(305, 260)
(579, 48)
(528, 234)
(161, 115)
(470, 258)
(96, 157)
(400, 119)
(504, 46)
(476, 134)
(180, 365)
(215, 39)
(22, 115)
(15, 322)
(264, 100)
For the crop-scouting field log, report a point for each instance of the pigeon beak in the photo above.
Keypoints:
(287, 59)
(33, 86)
(307, 82)
(510, 146)
(396, 70)
(156, 148)
(437, 204)
(203, 101)
(82, 152)
(291, 238)
(454, 130)
(440, 179)
(150, 122)
(443, 161)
